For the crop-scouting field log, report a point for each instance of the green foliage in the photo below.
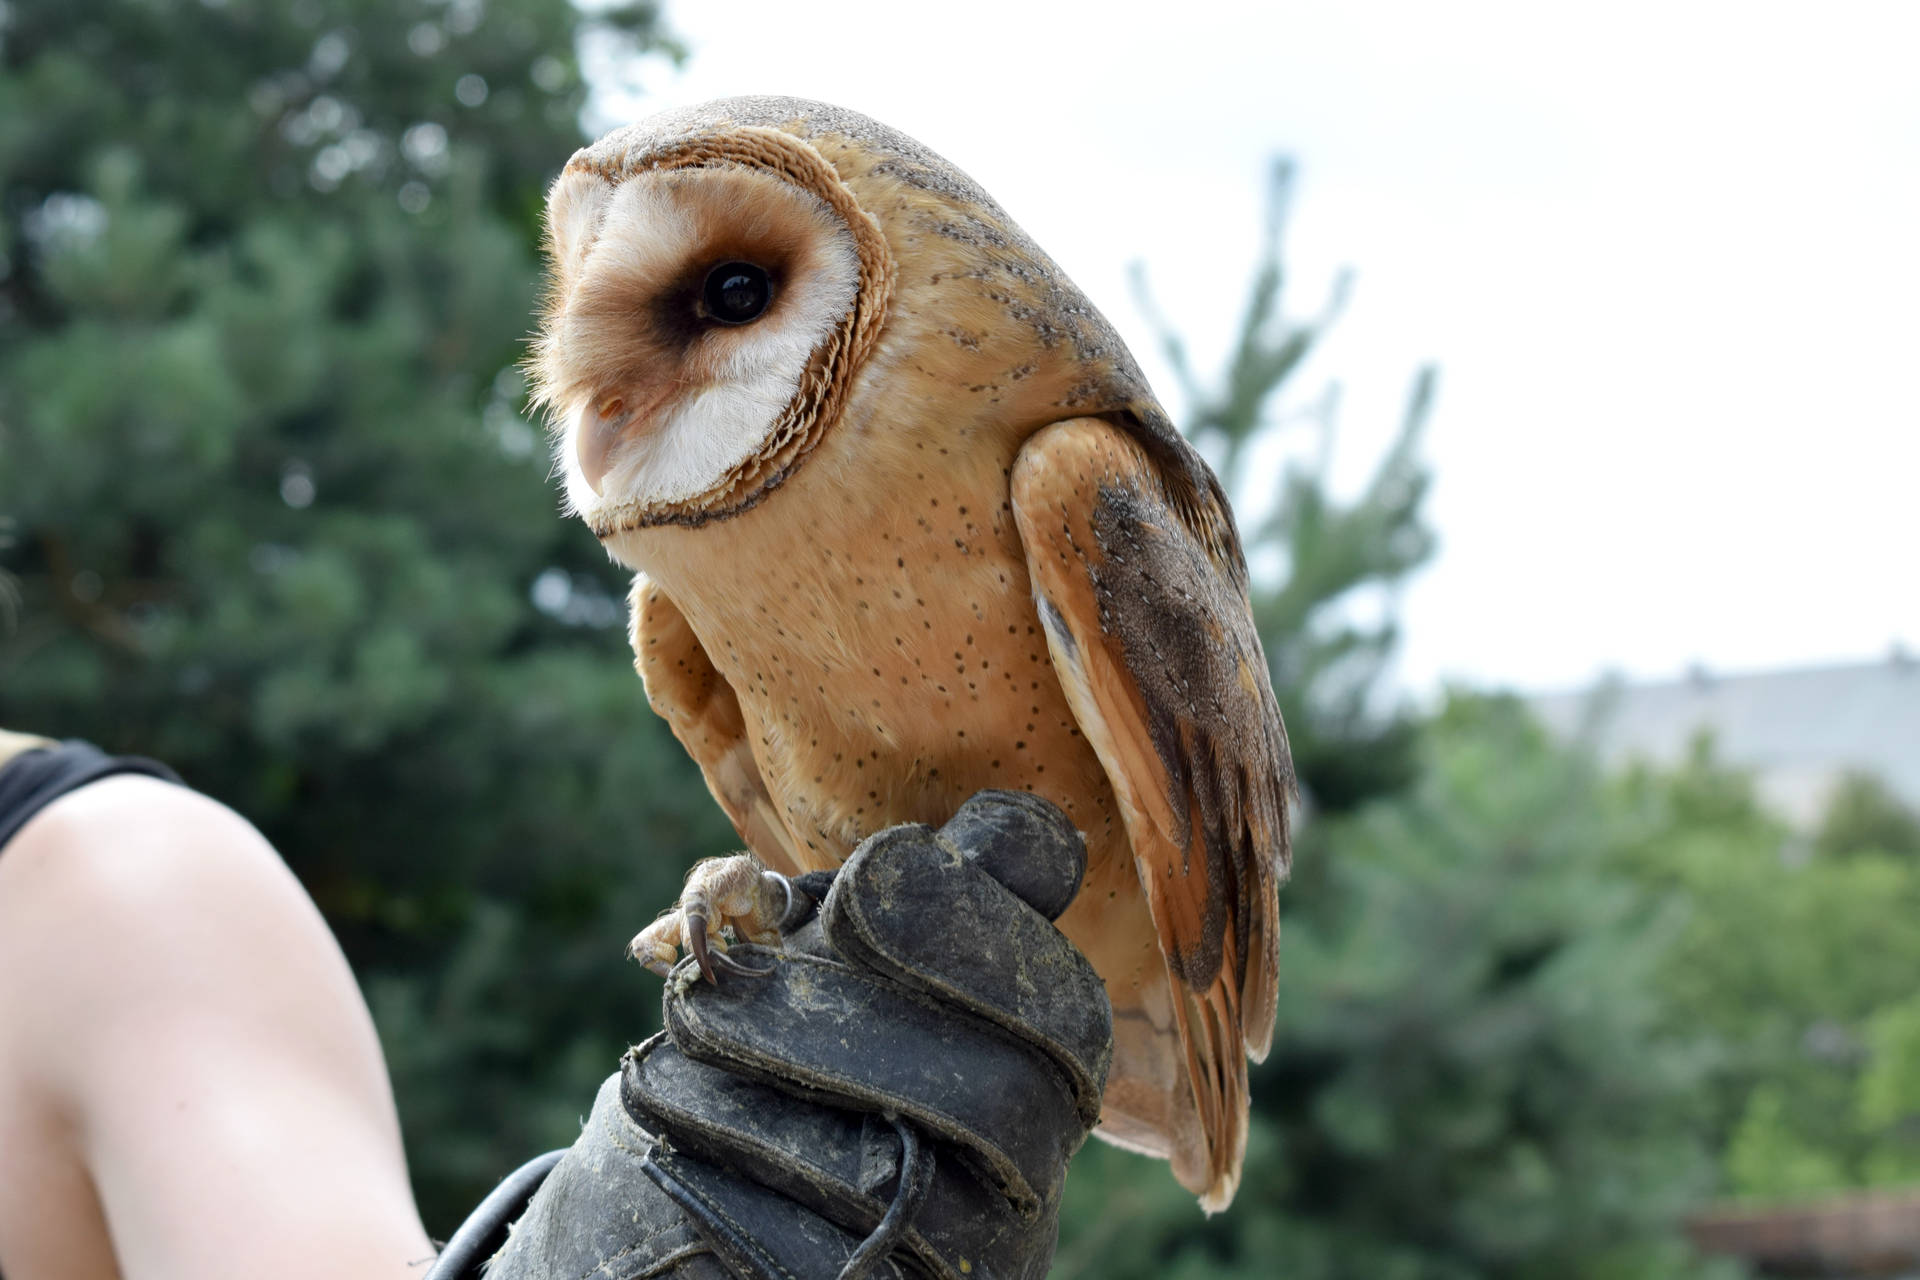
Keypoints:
(1796, 967)
(273, 514)
(1889, 1095)
(1862, 814)
(1769, 1157)
(1472, 1077)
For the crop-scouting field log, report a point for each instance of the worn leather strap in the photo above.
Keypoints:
(760, 1233)
(992, 954)
(819, 1029)
(844, 1165)
(598, 1214)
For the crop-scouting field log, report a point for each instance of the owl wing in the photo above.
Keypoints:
(1142, 590)
(696, 701)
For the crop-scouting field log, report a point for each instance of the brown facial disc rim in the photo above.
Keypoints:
(823, 390)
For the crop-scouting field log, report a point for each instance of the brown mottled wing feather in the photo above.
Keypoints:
(1149, 626)
(700, 706)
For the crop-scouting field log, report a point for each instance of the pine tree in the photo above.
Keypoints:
(1326, 667)
(273, 514)
(1470, 1076)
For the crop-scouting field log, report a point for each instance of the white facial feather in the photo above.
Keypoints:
(718, 405)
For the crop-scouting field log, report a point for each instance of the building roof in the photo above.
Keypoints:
(1799, 731)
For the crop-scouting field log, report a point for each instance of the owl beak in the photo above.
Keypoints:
(597, 433)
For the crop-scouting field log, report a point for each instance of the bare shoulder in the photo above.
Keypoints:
(134, 908)
(130, 834)
(130, 878)
(133, 905)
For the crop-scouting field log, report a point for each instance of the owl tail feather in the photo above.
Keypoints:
(1207, 1160)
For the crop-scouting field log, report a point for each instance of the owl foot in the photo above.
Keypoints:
(736, 894)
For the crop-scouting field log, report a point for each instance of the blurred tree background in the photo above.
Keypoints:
(270, 510)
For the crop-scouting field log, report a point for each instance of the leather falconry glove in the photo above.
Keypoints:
(899, 1095)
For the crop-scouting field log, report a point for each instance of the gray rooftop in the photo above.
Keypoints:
(1798, 731)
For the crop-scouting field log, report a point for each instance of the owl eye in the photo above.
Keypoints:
(737, 292)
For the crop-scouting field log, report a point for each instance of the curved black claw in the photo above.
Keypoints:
(697, 943)
(710, 959)
(722, 960)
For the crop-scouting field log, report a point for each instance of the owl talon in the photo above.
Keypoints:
(723, 895)
(710, 953)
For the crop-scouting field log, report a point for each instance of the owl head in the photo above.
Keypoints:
(711, 296)
(725, 280)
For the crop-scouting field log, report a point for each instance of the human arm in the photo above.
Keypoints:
(186, 1064)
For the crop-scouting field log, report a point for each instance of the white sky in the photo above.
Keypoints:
(1667, 257)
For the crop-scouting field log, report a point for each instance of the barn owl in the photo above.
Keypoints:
(908, 523)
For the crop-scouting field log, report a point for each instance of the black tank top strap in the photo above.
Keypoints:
(34, 779)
